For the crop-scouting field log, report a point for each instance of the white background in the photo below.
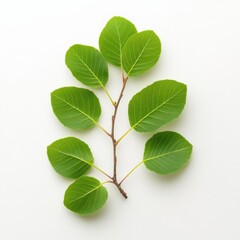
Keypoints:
(200, 47)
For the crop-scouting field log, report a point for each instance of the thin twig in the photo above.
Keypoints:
(110, 98)
(104, 130)
(114, 141)
(107, 182)
(130, 172)
(100, 170)
(124, 135)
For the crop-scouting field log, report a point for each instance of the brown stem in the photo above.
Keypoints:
(114, 141)
(121, 190)
(118, 186)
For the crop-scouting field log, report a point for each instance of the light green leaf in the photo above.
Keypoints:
(76, 108)
(85, 196)
(140, 53)
(87, 65)
(157, 104)
(70, 157)
(167, 152)
(113, 37)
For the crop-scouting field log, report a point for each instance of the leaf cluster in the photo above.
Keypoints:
(78, 108)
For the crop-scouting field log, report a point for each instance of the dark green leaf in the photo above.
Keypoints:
(76, 108)
(70, 157)
(140, 53)
(156, 105)
(87, 65)
(113, 37)
(85, 196)
(167, 152)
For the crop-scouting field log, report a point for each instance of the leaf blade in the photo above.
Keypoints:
(166, 152)
(76, 108)
(156, 105)
(70, 157)
(140, 53)
(87, 65)
(113, 37)
(85, 196)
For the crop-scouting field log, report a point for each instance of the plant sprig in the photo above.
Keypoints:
(78, 108)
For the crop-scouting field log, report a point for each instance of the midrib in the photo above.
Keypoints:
(76, 109)
(162, 155)
(139, 56)
(88, 68)
(155, 109)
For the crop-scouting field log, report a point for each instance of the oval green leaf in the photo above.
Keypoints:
(85, 196)
(70, 157)
(113, 37)
(87, 65)
(166, 152)
(156, 105)
(76, 108)
(140, 53)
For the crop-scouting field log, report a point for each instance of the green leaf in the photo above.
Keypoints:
(85, 196)
(70, 157)
(87, 65)
(166, 152)
(140, 53)
(113, 37)
(156, 105)
(76, 108)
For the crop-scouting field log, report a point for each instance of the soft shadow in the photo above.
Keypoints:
(172, 126)
(171, 178)
(175, 124)
(149, 74)
(100, 214)
(94, 217)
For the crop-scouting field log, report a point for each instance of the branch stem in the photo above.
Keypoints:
(114, 141)
(118, 186)
(121, 190)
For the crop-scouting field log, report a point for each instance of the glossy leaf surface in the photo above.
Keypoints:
(76, 108)
(85, 196)
(140, 53)
(113, 37)
(87, 65)
(167, 152)
(70, 157)
(156, 105)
